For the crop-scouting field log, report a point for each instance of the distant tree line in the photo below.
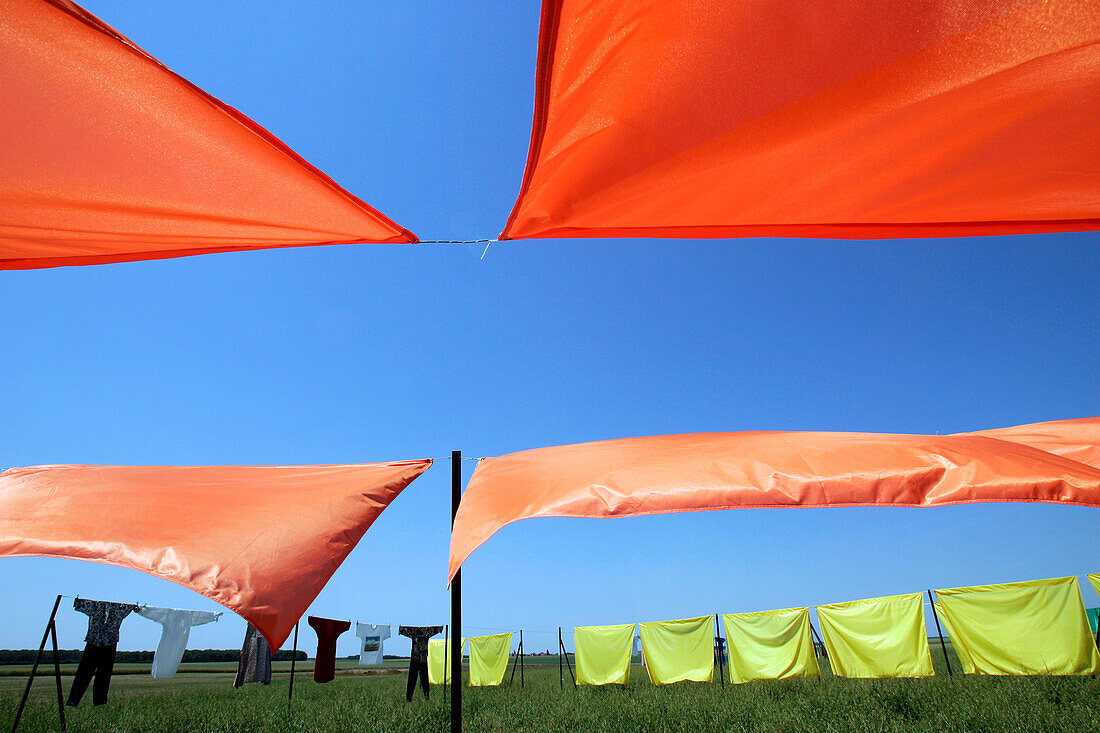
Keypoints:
(26, 656)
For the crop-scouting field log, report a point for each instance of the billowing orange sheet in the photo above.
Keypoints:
(706, 471)
(260, 540)
(813, 118)
(108, 157)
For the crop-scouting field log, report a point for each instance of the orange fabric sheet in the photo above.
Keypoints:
(706, 471)
(806, 118)
(1078, 440)
(110, 157)
(260, 540)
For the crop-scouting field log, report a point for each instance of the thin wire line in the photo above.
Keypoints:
(457, 241)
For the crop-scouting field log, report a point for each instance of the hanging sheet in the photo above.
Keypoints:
(440, 653)
(603, 654)
(770, 645)
(677, 651)
(877, 637)
(489, 659)
(707, 471)
(111, 157)
(1033, 627)
(1094, 579)
(260, 540)
(804, 118)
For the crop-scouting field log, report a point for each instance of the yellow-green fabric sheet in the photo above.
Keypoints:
(877, 637)
(1028, 628)
(677, 651)
(603, 654)
(439, 660)
(770, 645)
(489, 659)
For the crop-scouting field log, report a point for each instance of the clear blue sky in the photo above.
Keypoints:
(373, 353)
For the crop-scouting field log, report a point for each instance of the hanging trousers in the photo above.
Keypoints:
(417, 666)
(98, 661)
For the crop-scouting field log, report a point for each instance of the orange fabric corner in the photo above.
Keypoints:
(805, 118)
(708, 471)
(111, 157)
(260, 540)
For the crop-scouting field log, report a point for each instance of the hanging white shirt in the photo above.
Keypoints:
(370, 650)
(173, 637)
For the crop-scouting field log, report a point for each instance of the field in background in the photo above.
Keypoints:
(205, 701)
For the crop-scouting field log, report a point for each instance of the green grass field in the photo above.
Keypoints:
(204, 700)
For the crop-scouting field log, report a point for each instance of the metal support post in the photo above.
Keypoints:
(718, 643)
(456, 601)
(940, 632)
(57, 674)
(293, 661)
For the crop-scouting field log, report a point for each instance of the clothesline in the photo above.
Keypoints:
(458, 241)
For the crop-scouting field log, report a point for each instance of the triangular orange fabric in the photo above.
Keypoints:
(806, 118)
(260, 540)
(707, 471)
(111, 157)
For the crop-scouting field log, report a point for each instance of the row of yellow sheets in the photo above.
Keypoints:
(1032, 627)
(488, 659)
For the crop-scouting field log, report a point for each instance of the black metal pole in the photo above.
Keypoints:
(515, 663)
(718, 645)
(446, 658)
(57, 674)
(561, 655)
(940, 632)
(34, 669)
(456, 601)
(565, 656)
(293, 661)
(521, 656)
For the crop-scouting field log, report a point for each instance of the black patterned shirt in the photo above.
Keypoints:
(419, 636)
(104, 618)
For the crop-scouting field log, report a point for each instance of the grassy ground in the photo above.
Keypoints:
(205, 701)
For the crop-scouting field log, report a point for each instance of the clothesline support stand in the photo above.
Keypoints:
(50, 633)
(562, 656)
(719, 643)
(456, 600)
(518, 662)
(817, 636)
(293, 660)
(939, 631)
